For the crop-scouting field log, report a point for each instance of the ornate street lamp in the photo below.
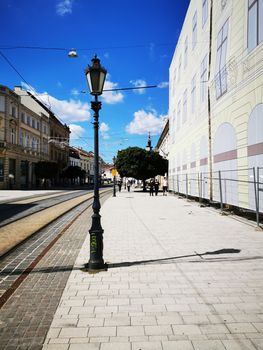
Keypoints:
(96, 75)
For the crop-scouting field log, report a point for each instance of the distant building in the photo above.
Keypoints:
(216, 103)
(29, 133)
(149, 143)
(57, 133)
(24, 136)
(74, 158)
(162, 147)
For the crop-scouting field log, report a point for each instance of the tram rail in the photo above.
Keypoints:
(17, 263)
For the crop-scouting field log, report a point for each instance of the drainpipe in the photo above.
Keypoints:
(210, 155)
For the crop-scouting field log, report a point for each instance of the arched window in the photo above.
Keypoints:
(225, 160)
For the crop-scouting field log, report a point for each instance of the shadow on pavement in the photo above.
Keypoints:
(54, 269)
(7, 211)
(216, 252)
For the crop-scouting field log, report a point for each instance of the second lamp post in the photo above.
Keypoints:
(96, 75)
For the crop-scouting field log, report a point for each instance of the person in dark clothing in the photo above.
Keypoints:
(151, 187)
(119, 185)
(156, 187)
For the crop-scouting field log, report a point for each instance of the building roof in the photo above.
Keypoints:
(163, 134)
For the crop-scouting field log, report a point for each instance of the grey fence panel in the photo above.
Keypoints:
(239, 187)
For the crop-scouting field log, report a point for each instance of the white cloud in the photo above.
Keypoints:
(104, 128)
(76, 131)
(63, 7)
(74, 92)
(163, 85)
(66, 110)
(145, 122)
(139, 83)
(111, 97)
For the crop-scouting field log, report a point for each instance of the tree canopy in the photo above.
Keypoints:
(73, 172)
(140, 164)
(46, 170)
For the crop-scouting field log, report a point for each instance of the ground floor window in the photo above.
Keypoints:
(1, 169)
(12, 167)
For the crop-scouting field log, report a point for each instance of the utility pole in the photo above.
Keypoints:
(210, 155)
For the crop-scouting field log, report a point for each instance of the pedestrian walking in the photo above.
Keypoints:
(119, 185)
(128, 185)
(151, 187)
(165, 186)
(156, 187)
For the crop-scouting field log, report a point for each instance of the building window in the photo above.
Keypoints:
(185, 51)
(185, 106)
(29, 120)
(194, 30)
(221, 71)
(193, 91)
(23, 117)
(1, 169)
(204, 12)
(13, 136)
(38, 125)
(173, 83)
(33, 123)
(13, 111)
(179, 115)
(24, 139)
(45, 148)
(45, 129)
(173, 124)
(203, 79)
(21, 138)
(179, 67)
(255, 23)
(27, 141)
(2, 103)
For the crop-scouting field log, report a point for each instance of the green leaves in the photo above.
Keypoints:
(46, 170)
(140, 164)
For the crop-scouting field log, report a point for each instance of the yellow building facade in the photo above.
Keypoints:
(216, 104)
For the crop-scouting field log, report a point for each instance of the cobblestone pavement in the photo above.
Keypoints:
(179, 277)
(27, 315)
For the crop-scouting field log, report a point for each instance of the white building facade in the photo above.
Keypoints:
(216, 103)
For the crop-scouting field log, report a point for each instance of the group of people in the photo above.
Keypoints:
(154, 186)
(127, 184)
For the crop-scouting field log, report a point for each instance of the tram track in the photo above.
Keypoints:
(20, 228)
(15, 209)
(19, 262)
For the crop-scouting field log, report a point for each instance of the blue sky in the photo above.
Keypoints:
(135, 40)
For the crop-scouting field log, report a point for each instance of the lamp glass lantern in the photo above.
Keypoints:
(96, 75)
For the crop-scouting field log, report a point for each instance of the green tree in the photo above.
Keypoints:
(46, 170)
(140, 164)
(73, 172)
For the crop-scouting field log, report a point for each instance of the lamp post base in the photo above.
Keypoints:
(95, 267)
(96, 261)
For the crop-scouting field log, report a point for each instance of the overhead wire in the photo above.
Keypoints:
(27, 83)
(64, 49)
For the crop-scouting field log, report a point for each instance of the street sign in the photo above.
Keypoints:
(113, 172)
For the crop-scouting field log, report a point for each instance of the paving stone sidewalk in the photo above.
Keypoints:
(161, 292)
